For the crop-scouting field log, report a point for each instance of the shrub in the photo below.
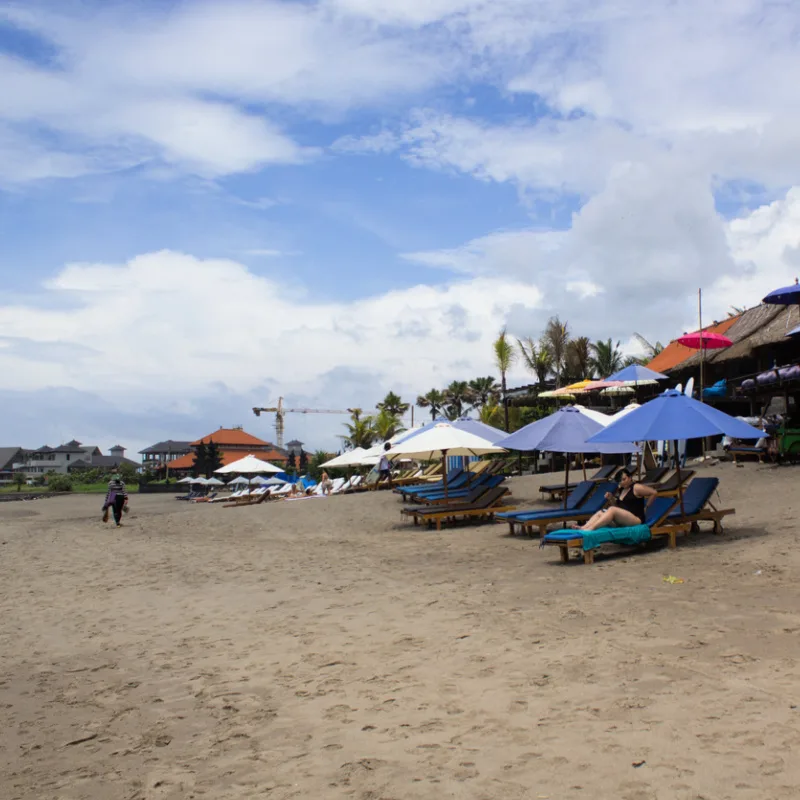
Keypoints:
(59, 483)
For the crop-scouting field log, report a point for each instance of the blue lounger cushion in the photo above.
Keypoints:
(591, 540)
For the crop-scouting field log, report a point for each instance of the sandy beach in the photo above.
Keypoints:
(326, 649)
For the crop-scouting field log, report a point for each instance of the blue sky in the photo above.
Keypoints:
(205, 205)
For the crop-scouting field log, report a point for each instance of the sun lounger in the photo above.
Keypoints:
(744, 451)
(486, 505)
(454, 479)
(478, 489)
(207, 499)
(574, 499)
(458, 494)
(252, 499)
(525, 522)
(697, 505)
(556, 491)
(669, 487)
(655, 524)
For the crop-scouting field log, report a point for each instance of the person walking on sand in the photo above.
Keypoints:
(116, 500)
(384, 467)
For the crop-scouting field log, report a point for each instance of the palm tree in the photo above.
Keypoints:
(504, 357)
(434, 400)
(536, 357)
(556, 339)
(393, 405)
(385, 425)
(606, 358)
(579, 357)
(360, 431)
(458, 397)
(485, 391)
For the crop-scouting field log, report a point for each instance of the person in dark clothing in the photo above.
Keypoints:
(627, 505)
(116, 500)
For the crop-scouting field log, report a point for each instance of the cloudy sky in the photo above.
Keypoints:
(206, 205)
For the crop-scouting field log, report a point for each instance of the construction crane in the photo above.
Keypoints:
(279, 411)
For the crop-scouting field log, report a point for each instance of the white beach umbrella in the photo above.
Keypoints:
(249, 465)
(441, 441)
(241, 479)
(214, 482)
(188, 479)
(202, 481)
(623, 411)
(597, 416)
(349, 458)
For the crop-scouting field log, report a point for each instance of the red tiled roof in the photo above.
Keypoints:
(232, 436)
(229, 456)
(674, 354)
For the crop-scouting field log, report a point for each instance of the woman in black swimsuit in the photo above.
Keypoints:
(627, 505)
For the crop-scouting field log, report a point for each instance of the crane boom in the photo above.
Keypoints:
(279, 411)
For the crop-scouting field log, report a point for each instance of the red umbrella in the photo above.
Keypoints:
(705, 341)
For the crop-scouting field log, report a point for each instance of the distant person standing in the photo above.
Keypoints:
(384, 467)
(116, 500)
(326, 483)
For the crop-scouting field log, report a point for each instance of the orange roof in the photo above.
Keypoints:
(674, 354)
(228, 457)
(231, 436)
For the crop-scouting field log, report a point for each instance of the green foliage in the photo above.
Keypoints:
(434, 400)
(458, 398)
(213, 458)
(579, 358)
(606, 358)
(360, 431)
(128, 473)
(484, 391)
(385, 426)
(302, 462)
(393, 405)
(315, 468)
(200, 460)
(207, 459)
(19, 480)
(555, 340)
(59, 483)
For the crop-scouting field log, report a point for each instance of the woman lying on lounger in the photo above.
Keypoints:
(627, 505)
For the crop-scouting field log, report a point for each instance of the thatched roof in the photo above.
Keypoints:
(764, 324)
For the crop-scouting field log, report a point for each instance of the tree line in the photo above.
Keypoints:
(556, 357)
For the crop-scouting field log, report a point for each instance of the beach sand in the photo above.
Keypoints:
(325, 649)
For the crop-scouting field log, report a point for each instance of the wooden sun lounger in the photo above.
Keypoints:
(486, 506)
(556, 491)
(249, 500)
(658, 527)
(669, 487)
(742, 451)
(698, 506)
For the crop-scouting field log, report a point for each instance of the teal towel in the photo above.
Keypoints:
(636, 534)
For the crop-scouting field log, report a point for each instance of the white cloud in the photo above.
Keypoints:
(189, 324)
(201, 87)
(635, 256)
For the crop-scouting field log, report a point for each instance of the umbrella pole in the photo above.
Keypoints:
(444, 471)
(583, 461)
(678, 472)
(566, 481)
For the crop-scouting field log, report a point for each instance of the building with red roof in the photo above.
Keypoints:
(233, 444)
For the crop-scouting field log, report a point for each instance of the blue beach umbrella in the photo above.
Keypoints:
(785, 296)
(672, 416)
(564, 431)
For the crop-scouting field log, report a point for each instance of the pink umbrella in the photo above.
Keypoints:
(705, 341)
